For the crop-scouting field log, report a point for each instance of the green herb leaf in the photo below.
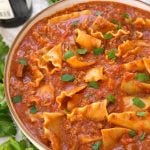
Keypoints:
(7, 128)
(17, 99)
(93, 84)
(142, 136)
(82, 51)
(13, 144)
(98, 51)
(52, 1)
(114, 21)
(68, 54)
(108, 36)
(67, 77)
(111, 98)
(119, 26)
(97, 145)
(111, 54)
(138, 102)
(75, 23)
(1, 91)
(132, 133)
(98, 13)
(23, 61)
(141, 113)
(33, 109)
(142, 77)
(126, 15)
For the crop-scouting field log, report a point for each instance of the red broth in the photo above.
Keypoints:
(35, 99)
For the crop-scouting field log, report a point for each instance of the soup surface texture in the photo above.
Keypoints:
(80, 79)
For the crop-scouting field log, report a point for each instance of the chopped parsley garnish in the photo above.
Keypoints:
(33, 109)
(141, 113)
(142, 136)
(17, 99)
(108, 36)
(98, 51)
(142, 77)
(67, 77)
(82, 51)
(93, 84)
(138, 102)
(119, 26)
(111, 98)
(97, 145)
(23, 61)
(68, 54)
(126, 15)
(98, 13)
(111, 54)
(132, 133)
(114, 21)
(75, 23)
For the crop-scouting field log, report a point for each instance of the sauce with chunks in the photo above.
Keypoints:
(80, 79)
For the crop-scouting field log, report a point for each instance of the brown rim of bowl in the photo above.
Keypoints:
(14, 114)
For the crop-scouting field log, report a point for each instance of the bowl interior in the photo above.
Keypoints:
(46, 13)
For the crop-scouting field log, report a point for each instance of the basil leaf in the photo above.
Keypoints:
(138, 102)
(111, 98)
(23, 61)
(141, 113)
(126, 15)
(17, 99)
(98, 51)
(68, 54)
(93, 84)
(111, 54)
(33, 109)
(67, 77)
(119, 26)
(114, 21)
(142, 136)
(82, 51)
(142, 77)
(108, 36)
(97, 145)
(132, 133)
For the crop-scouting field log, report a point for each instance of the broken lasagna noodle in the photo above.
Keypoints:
(85, 84)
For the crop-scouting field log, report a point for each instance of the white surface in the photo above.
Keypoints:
(10, 33)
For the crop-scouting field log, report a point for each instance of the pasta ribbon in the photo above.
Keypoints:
(53, 128)
(128, 104)
(88, 112)
(132, 86)
(111, 136)
(130, 120)
(86, 41)
(66, 17)
(141, 22)
(94, 74)
(74, 62)
(131, 47)
(61, 98)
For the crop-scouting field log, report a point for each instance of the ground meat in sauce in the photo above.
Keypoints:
(43, 37)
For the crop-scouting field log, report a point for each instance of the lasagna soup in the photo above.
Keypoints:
(80, 79)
